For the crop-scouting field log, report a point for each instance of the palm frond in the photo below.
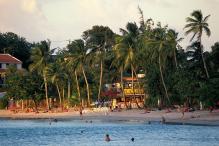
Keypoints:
(207, 30)
(206, 18)
(189, 19)
(190, 25)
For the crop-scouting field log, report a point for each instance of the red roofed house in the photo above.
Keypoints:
(5, 61)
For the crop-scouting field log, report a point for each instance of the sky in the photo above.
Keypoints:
(64, 20)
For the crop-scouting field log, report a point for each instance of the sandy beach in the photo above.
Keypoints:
(173, 117)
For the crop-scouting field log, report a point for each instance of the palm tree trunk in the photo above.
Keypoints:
(63, 96)
(78, 87)
(162, 79)
(69, 92)
(60, 98)
(46, 91)
(101, 77)
(122, 87)
(35, 103)
(133, 88)
(203, 60)
(22, 104)
(88, 92)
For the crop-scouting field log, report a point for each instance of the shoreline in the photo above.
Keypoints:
(198, 118)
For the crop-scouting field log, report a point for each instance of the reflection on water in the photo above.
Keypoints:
(81, 133)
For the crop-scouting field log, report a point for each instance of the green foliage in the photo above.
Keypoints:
(74, 100)
(151, 101)
(15, 84)
(209, 92)
(3, 102)
(24, 85)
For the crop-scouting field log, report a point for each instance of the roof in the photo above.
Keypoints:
(7, 58)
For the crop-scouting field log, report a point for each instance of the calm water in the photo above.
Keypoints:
(40, 132)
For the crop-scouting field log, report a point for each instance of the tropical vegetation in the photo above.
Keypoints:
(76, 75)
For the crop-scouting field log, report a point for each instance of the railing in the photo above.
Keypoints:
(133, 91)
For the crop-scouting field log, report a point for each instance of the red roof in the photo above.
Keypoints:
(7, 58)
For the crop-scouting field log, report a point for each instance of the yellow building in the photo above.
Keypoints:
(134, 95)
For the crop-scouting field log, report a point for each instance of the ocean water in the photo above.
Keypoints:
(82, 133)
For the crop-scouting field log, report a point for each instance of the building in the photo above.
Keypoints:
(134, 96)
(7, 60)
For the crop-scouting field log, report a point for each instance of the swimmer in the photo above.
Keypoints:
(163, 120)
(132, 139)
(107, 138)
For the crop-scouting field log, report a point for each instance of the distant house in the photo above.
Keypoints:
(7, 60)
(134, 96)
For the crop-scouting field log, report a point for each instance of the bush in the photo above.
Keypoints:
(3, 103)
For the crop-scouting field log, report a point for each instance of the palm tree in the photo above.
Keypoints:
(40, 56)
(100, 40)
(158, 47)
(197, 24)
(76, 59)
(126, 50)
(58, 76)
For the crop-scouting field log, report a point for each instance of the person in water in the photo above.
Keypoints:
(132, 139)
(107, 138)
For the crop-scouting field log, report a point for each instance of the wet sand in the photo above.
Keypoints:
(173, 117)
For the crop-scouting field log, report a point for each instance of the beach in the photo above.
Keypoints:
(134, 115)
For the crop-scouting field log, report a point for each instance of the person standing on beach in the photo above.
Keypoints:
(81, 112)
(182, 110)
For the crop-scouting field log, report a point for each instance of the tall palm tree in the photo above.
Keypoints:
(122, 60)
(159, 49)
(76, 59)
(58, 77)
(100, 40)
(40, 56)
(197, 24)
(126, 49)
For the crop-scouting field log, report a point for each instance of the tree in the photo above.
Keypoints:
(100, 40)
(197, 24)
(41, 56)
(58, 77)
(15, 86)
(24, 85)
(158, 50)
(76, 59)
(213, 60)
(126, 49)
